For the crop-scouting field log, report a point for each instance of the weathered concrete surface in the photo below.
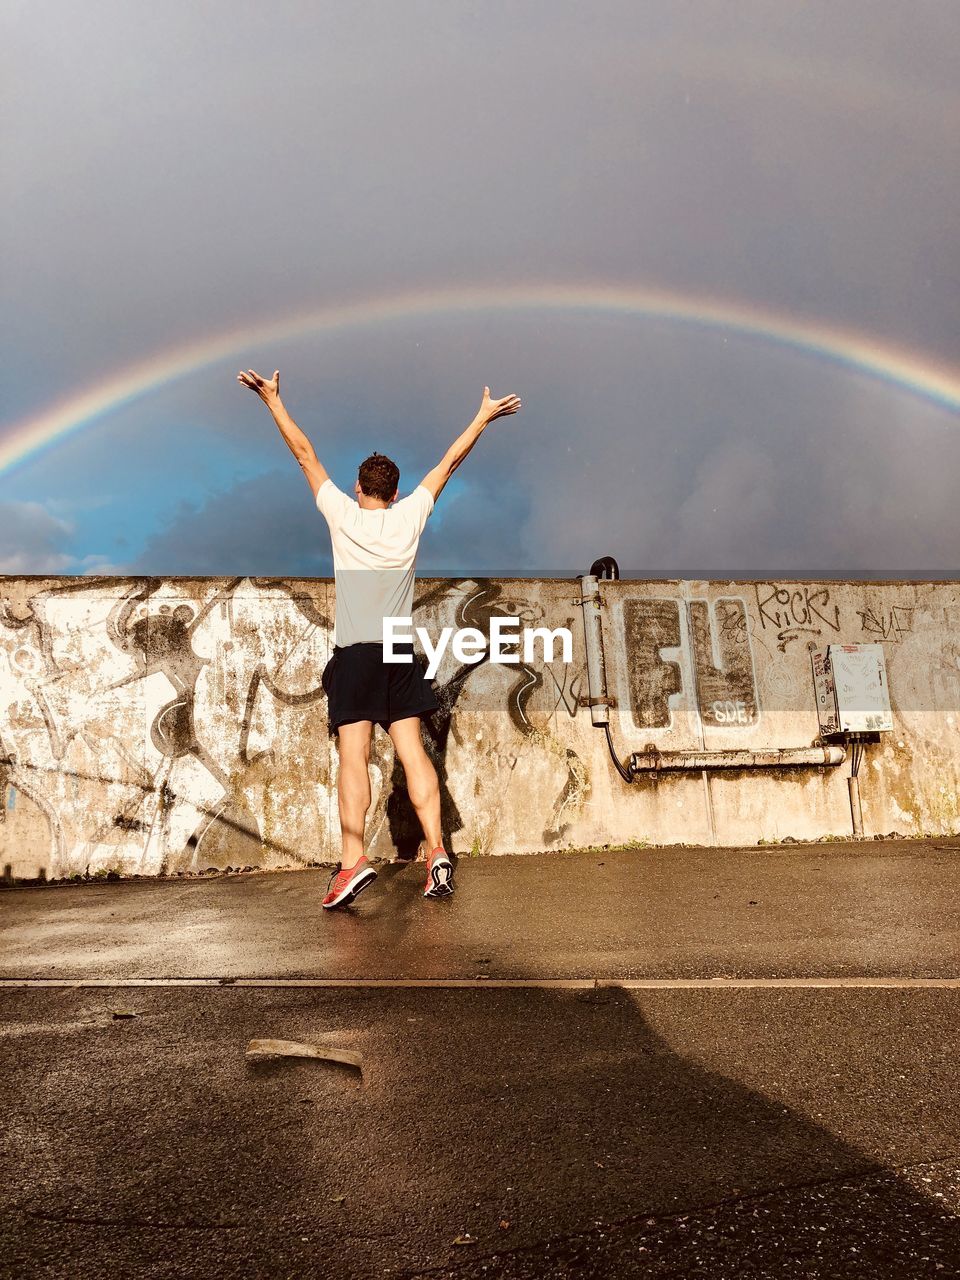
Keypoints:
(153, 725)
(721, 1133)
(822, 910)
(591, 1134)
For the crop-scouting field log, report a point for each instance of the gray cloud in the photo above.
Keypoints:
(740, 470)
(266, 526)
(255, 528)
(32, 540)
(724, 148)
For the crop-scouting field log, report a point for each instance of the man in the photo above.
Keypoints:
(375, 542)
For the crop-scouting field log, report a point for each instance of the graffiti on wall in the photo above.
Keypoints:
(891, 623)
(719, 654)
(796, 610)
(650, 627)
(160, 725)
(143, 722)
(726, 683)
(165, 725)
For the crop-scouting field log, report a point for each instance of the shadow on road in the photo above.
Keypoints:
(556, 1133)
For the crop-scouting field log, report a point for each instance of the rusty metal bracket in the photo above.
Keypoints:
(584, 700)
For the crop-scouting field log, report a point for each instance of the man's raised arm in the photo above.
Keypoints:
(300, 446)
(489, 409)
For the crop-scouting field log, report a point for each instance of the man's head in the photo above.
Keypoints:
(377, 479)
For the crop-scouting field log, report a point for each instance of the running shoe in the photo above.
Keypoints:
(345, 885)
(439, 875)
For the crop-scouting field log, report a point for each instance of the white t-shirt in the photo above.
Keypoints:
(374, 551)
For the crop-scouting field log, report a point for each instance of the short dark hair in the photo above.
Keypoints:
(379, 477)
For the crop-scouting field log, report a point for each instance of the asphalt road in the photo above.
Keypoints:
(720, 1132)
(873, 908)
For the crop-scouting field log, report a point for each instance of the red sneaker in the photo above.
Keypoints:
(439, 875)
(345, 885)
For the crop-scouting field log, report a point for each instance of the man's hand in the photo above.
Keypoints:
(490, 409)
(269, 392)
(300, 446)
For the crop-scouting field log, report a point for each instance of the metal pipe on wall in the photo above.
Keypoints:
(856, 812)
(593, 639)
(653, 760)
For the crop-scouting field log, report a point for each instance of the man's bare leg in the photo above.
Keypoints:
(353, 788)
(423, 786)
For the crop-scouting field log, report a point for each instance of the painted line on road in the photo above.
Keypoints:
(717, 984)
(568, 984)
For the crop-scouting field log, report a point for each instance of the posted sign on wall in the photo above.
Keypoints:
(851, 688)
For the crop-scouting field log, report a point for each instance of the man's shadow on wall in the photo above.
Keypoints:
(406, 833)
(484, 602)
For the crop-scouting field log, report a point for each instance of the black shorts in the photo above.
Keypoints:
(360, 686)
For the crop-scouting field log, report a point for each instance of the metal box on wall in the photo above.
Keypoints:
(851, 687)
(826, 697)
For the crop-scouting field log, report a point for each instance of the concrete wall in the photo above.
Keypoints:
(155, 725)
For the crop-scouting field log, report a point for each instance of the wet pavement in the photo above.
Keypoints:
(495, 1131)
(872, 908)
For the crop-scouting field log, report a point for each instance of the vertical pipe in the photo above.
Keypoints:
(593, 639)
(708, 803)
(856, 813)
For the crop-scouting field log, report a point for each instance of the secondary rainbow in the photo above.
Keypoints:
(856, 351)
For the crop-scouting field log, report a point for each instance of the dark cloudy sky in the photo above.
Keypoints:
(181, 170)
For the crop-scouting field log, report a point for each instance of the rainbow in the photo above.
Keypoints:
(856, 351)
